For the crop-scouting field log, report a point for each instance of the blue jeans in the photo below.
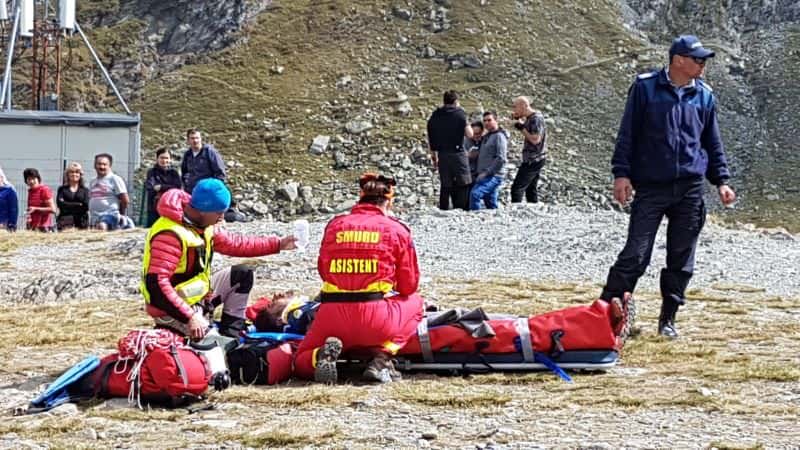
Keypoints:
(116, 222)
(486, 190)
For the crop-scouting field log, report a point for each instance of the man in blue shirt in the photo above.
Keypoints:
(668, 141)
(200, 161)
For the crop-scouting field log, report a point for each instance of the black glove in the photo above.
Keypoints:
(519, 125)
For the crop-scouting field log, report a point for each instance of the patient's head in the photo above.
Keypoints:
(270, 319)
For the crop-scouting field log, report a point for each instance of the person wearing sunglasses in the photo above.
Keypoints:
(369, 301)
(668, 141)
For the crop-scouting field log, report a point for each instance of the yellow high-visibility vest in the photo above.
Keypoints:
(194, 289)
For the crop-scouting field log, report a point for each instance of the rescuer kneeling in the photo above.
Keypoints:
(370, 275)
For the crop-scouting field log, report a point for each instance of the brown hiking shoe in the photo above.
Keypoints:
(325, 371)
(381, 369)
(623, 315)
(616, 313)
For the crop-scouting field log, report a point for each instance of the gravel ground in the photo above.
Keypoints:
(528, 242)
(534, 242)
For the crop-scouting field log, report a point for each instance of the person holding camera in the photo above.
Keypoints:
(530, 123)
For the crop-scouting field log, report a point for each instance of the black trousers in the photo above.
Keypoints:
(526, 181)
(458, 194)
(682, 203)
(455, 179)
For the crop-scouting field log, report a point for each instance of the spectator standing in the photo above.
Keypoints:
(668, 141)
(491, 164)
(72, 199)
(447, 128)
(160, 178)
(9, 209)
(472, 145)
(41, 205)
(200, 161)
(108, 197)
(534, 150)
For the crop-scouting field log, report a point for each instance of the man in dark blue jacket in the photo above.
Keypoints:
(667, 142)
(200, 161)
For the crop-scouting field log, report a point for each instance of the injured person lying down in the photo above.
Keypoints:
(577, 337)
(162, 368)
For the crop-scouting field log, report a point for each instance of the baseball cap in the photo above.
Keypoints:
(689, 45)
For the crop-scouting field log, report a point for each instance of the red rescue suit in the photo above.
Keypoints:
(364, 256)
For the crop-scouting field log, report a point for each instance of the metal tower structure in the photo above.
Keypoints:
(41, 26)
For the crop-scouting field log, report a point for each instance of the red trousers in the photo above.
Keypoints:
(368, 327)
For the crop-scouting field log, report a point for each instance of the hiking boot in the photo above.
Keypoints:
(622, 313)
(616, 312)
(666, 328)
(666, 321)
(381, 370)
(325, 371)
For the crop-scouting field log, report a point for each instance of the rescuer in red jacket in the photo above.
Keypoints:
(370, 275)
(177, 283)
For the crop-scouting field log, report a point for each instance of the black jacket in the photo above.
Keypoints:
(166, 178)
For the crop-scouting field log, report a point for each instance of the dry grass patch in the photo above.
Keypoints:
(707, 297)
(284, 396)
(540, 380)
(40, 428)
(744, 288)
(648, 399)
(733, 446)
(449, 395)
(653, 349)
(277, 438)
(10, 242)
(134, 414)
(752, 371)
(75, 324)
(512, 296)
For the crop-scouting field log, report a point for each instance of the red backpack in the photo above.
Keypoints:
(158, 369)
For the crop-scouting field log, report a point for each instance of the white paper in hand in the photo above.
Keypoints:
(301, 232)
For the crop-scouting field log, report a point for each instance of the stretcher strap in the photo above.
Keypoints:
(425, 341)
(524, 339)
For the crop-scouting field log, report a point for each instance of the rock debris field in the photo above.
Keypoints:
(531, 242)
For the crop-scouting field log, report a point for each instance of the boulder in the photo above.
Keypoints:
(319, 145)
(358, 126)
(288, 191)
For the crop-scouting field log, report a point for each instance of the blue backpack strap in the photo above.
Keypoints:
(57, 393)
(550, 364)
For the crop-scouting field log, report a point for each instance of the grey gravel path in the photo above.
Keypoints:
(535, 242)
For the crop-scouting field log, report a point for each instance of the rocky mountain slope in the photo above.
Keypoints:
(265, 78)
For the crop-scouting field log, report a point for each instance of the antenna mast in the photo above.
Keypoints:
(42, 27)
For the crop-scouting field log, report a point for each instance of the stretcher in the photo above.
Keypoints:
(576, 338)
